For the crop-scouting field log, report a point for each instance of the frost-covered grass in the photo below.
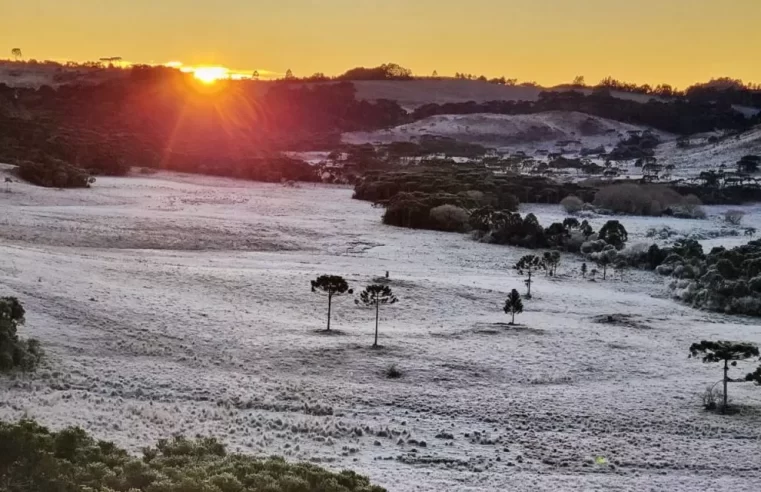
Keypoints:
(181, 304)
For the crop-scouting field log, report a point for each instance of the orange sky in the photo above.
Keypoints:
(548, 41)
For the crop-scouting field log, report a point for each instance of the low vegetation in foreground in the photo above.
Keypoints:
(15, 352)
(35, 459)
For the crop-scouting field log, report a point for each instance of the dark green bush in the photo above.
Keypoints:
(53, 173)
(15, 353)
(34, 459)
(501, 191)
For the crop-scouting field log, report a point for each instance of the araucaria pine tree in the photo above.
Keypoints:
(723, 351)
(513, 304)
(528, 265)
(375, 296)
(331, 286)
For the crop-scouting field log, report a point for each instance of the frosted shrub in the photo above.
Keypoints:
(746, 305)
(15, 353)
(634, 199)
(449, 218)
(734, 217)
(572, 204)
(690, 208)
(712, 398)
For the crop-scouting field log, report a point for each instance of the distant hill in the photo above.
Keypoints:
(703, 155)
(413, 93)
(410, 94)
(548, 130)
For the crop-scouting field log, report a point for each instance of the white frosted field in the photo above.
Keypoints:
(181, 304)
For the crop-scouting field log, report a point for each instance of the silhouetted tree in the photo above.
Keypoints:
(586, 229)
(375, 296)
(513, 305)
(255, 75)
(571, 223)
(331, 285)
(435, 74)
(724, 351)
(289, 75)
(613, 232)
(16, 52)
(579, 81)
(528, 264)
(551, 260)
(749, 164)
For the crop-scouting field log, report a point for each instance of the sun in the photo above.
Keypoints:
(209, 75)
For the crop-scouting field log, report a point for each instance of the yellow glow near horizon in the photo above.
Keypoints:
(209, 75)
(679, 42)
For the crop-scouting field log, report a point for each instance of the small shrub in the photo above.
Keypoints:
(572, 204)
(690, 208)
(15, 353)
(712, 398)
(393, 372)
(734, 217)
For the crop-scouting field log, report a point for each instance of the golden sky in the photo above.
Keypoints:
(548, 41)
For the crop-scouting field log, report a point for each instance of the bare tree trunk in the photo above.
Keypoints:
(513, 321)
(529, 283)
(377, 308)
(330, 299)
(726, 371)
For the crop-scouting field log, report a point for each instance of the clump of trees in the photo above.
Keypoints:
(107, 127)
(728, 353)
(449, 218)
(682, 115)
(386, 71)
(749, 164)
(724, 280)
(37, 459)
(638, 145)
(331, 286)
(500, 191)
(651, 200)
(54, 173)
(436, 211)
(375, 296)
(15, 352)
